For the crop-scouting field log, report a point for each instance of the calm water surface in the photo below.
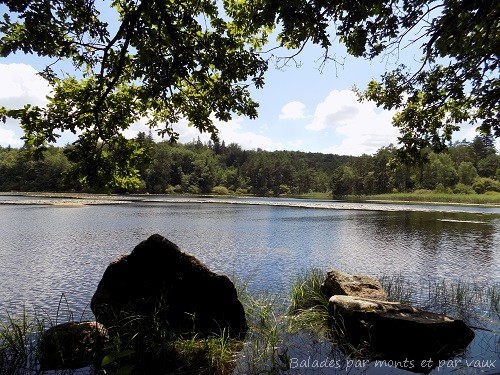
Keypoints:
(47, 251)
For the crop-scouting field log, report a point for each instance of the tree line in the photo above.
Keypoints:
(214, 167)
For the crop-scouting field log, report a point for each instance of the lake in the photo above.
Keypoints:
(47, 251)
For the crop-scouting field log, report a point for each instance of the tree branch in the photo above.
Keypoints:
(128, 24)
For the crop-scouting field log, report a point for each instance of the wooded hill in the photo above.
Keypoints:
(195, 168)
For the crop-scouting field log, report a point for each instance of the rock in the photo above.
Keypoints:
(340, 283)
(158, 278)
(398, 331)
(72, 345)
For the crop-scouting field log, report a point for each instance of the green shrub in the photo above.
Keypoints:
(423, 191)
(192, 189)
(285, 189)
(241, 191)
(220, 190)
(479, 186)
(483, 184)
(441, 189)
(170, 189)
(463, 189)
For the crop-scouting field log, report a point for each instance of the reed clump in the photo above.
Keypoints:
(309, 310)
(17, 345)
(471, 301)
(308, 305)
(264, 351)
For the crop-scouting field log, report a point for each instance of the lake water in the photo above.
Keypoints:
(47, 251)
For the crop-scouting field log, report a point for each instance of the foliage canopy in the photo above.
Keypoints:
(195, 59)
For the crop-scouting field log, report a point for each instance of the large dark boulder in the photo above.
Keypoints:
(72, 345)
(398, 331)
(158, 279)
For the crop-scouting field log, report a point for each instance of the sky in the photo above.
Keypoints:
(301, 108)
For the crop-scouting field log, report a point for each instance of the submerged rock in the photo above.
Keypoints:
(340, 283)
(398, 331)
(158, 279)
(72, 345)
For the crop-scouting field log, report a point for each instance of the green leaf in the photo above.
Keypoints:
(108, 359)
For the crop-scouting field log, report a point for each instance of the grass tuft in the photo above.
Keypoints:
(19, 335)
(398, 288)
(263, 350)
(308, 305)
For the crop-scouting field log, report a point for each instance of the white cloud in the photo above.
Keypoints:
(9, 137)
(362, 127)
(186, 133)
(293, 111)
(229, 132)
(295, 144)
(339, 108)
(232, 132)
(20, 85)
(467, 131)
(189, 133)
(136, 127)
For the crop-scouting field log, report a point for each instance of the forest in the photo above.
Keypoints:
(204, 168)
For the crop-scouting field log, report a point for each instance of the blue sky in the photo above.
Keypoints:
(301, 108)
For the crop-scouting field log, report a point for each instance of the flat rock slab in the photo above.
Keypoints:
(398, 331)
(341, 283)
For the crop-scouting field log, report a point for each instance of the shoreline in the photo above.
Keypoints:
(397, 201)
(75, 200)
(60, 199)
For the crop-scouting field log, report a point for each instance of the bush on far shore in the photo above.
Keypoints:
(220, 190)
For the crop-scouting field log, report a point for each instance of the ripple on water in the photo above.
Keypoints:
(48, 251)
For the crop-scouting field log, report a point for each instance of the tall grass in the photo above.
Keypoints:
(474, 302)
(147, 345)
(493, 292)
(488, 198)
(263, 350)
(309, 310)
(20, 336)
(308, 305)
(398, 288)
(17, 346)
